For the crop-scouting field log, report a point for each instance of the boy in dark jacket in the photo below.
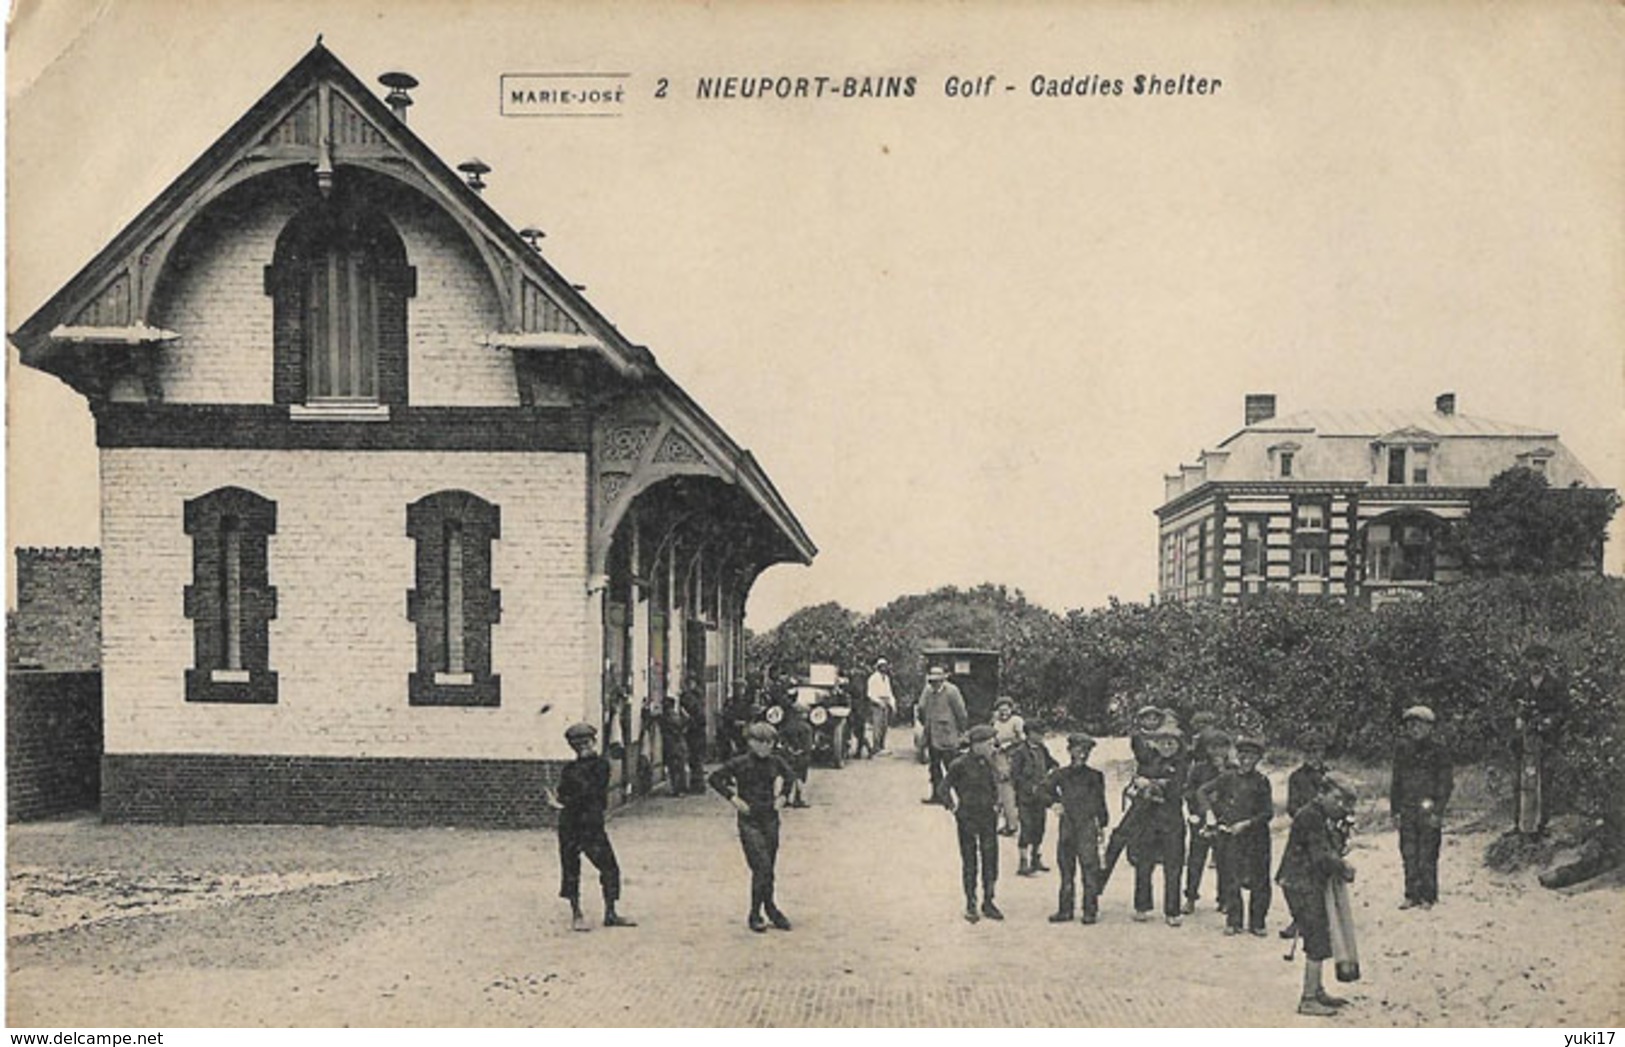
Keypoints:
(1303, 786)
(1157, 833)
(1081, 792)
(1312, 857)
(1030, 764)
(1241, 806)
(795, 743)
(1210, 755)
(970, 789)
(580, 800)
(748, 782)
(674, 745)
(1420, 789)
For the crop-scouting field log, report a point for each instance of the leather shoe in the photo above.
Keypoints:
(778, 919)
(991, 911)
(756, 923)
(1315, 1009)
(1060, 917)
(615, 919)
(971, 915)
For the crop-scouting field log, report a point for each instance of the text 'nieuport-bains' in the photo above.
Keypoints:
(386, 504)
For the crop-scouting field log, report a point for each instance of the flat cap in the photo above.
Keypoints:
(1251, 743)
(1005, 699)
(762, 732)
(580, 730)
(1419, 712)
(1080, 740)
(982, 733)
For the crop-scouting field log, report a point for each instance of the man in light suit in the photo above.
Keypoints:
(942, 714)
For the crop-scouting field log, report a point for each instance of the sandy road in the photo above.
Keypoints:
(249, 926)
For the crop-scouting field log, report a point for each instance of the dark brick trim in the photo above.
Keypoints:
(181, 788)
(480, 523)
(268, 427)
(255, 518)
(349, 225)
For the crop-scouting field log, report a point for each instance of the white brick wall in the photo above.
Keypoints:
(218, 306)
(342, 564)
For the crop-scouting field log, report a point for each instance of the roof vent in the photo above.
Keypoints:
(398, 99)
(532, 236)
(1445, 403)
(475, 169)
(1259, 407)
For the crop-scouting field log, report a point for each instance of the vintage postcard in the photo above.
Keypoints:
(421, 416)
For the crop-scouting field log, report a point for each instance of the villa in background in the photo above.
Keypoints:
(1337, 503)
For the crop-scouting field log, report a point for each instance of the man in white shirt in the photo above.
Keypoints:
(882, 703)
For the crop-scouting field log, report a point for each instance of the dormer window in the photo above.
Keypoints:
(339, 284)
(1396, 465)
(1284, 458)
(1537, 459)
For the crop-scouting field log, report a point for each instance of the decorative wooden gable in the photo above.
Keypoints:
(322, 118)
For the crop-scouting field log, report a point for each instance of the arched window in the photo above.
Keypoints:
(230, 601)
(339, 283)
(453, 604)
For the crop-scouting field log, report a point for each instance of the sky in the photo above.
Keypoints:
(965, 336)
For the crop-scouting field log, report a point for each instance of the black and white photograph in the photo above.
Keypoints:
(815, 515)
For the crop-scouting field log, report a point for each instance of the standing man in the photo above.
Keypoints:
(1421, 788)
(1540, 703)
(857, 717)
(968, 789)
(882, 703)
(694, 734)
(942, 713)
(581, 799)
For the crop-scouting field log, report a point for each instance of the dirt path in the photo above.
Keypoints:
(245, 926)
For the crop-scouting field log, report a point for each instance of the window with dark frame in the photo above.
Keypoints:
(230, 601)
(453, 604)
(1286, 465)
(1252, 546)
(1396, 466)
(339, 284)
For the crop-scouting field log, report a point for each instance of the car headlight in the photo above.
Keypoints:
(819, 716)
(774, 715)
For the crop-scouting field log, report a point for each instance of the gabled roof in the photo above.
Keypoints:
(112, 292)
(105, 306)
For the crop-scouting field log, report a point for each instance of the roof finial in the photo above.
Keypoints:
(318, 39)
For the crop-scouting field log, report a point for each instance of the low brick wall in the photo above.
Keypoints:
(53, 743)
(181, 788)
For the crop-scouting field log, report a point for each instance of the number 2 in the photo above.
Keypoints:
(660, 87)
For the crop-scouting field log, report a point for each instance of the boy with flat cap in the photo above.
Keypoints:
(1157, 836)
(970, 789)
(748, 782)
(1030, 765)
(1303, 786)
(1240, 805)
(1313, 855)
(1081, 792)
(580, 800)
(1210, 756)
(1420, 789)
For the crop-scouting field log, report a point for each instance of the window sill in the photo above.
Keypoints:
(338, 412)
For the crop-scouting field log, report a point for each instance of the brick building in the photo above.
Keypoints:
(1340, 503)
(57, 626)
(386, 504)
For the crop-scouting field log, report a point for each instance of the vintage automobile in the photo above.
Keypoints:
(819, 693)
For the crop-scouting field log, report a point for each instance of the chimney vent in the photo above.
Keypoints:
(474, 168)
(1260, 407)
(1445, 403)
(398, 99)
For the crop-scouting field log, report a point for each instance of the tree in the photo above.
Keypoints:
(1520, 525)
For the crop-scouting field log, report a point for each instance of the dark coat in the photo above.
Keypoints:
(1422, 771)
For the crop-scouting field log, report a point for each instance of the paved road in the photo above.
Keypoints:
(446, 927)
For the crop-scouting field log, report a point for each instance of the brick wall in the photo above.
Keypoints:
(341, 643)
(53, 743)
(213, 296)
(57, 625)
(204, 788)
